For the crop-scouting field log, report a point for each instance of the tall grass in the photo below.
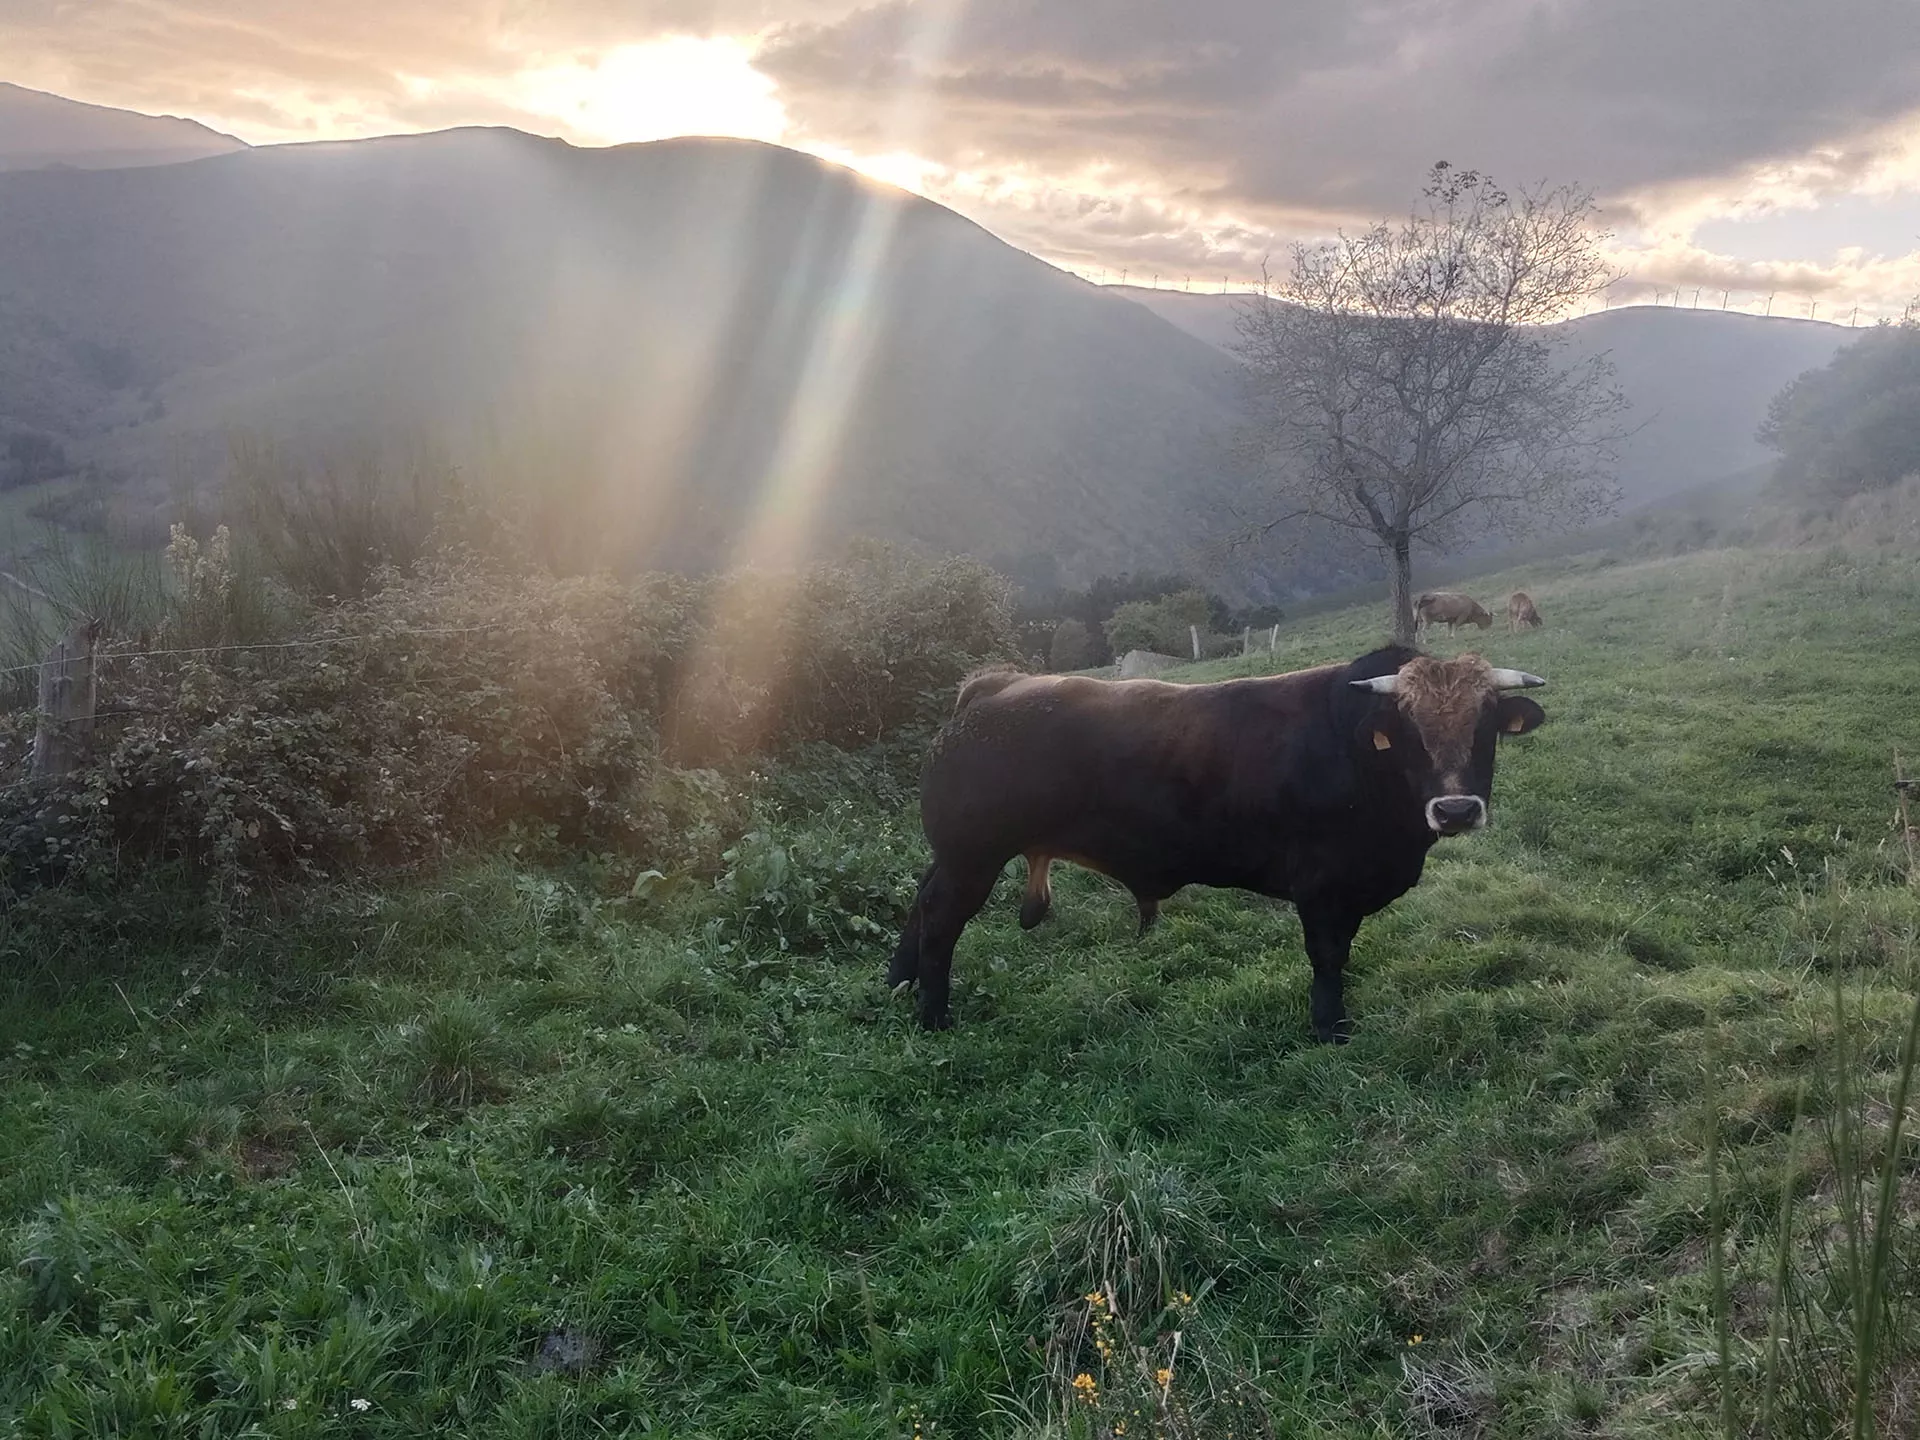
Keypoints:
(1839, 1270)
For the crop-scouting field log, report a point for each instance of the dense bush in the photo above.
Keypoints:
(845, 655)
(464, 701)
(1854, 424)
(1072, 647)
(1163, 625)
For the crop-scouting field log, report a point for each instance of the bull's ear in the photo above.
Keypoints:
(1517, 715)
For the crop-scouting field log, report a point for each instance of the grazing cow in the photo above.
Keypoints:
(1443, 607)
(1325, 787)
(1521, 614)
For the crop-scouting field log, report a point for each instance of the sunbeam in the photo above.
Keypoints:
(843, 324)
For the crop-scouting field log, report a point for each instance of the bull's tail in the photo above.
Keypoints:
(982, 683)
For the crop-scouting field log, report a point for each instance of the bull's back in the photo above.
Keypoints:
(1121, 775)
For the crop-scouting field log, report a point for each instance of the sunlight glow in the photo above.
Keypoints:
(679, 86)
(845, 322)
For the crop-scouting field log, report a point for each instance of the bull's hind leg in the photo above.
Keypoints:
(949, 898)
(905, 967)
(1149, 912)
(1038, 900)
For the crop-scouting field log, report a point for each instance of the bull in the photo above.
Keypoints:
(1324, 787)
(1521, 612)
(1444, 607)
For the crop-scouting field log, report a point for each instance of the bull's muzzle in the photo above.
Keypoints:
(1451, 814)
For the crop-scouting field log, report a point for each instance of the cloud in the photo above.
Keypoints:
(1302, 103)
(286, 69)
(1186, 139)
(1204, 135)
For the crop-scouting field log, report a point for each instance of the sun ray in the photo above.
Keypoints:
(779, 530)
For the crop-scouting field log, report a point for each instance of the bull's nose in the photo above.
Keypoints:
(1451, 814)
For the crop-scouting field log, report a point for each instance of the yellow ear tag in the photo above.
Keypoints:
(1380, 740)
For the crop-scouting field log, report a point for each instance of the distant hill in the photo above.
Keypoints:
(684, 332)
(38, 130)
(1698, 381)
(669, 340)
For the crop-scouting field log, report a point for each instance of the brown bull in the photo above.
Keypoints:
(1444, 607)
(1325, 787)
(1521, 614)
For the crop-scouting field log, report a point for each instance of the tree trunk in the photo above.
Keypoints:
(1403, 589)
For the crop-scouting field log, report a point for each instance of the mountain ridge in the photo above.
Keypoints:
(40, 130)
(690, 315)
(688, 334)
(1659, 353)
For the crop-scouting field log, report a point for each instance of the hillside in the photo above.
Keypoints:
(513, 1152)
(39, 131)
(1697, 382)
(672, 335)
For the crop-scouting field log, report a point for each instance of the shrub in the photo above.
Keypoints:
(465, 701)
(1854, 424)
(846, 654)
(447, 707)
(328, 532)
(827, 884)
(1072, 647)
(1161, 625)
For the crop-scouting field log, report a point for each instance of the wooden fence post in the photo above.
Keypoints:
(1246, 641)
(66, 702)
(1273, 640)
(1194, 631)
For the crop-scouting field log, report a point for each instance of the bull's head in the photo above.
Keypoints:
(1444, 721)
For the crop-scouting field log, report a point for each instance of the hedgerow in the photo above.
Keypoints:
(464, 701)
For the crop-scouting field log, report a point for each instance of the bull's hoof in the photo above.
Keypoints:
(939, 1019)
(1339, 1033)
(899, 987)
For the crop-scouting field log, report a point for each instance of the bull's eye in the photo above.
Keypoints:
(1380, 740)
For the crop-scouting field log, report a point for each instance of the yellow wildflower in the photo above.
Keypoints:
(1416, 1339)
(1164, 1375)
(1085, 1387)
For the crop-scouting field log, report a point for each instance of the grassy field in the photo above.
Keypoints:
(498, 1157)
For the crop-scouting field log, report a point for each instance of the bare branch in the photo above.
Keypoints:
(1411, 379)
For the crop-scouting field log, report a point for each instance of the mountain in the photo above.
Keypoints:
(1697, 382)
(671, 345)
(38, 130)
(684, 335)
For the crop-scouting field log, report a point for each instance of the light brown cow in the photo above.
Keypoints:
(1444, 607)
(1521, 614)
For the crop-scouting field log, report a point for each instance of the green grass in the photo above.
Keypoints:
(382, 1153)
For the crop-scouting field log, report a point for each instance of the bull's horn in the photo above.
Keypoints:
(1516, 680)
(1380, 684)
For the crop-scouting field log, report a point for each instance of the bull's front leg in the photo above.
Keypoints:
(1329, 932)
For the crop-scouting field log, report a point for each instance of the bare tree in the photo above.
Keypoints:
(1412, 378)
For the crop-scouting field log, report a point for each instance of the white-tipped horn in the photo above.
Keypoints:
(1380, 684)
(1516, 680)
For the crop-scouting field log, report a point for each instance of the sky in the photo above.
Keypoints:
(1746, 153)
